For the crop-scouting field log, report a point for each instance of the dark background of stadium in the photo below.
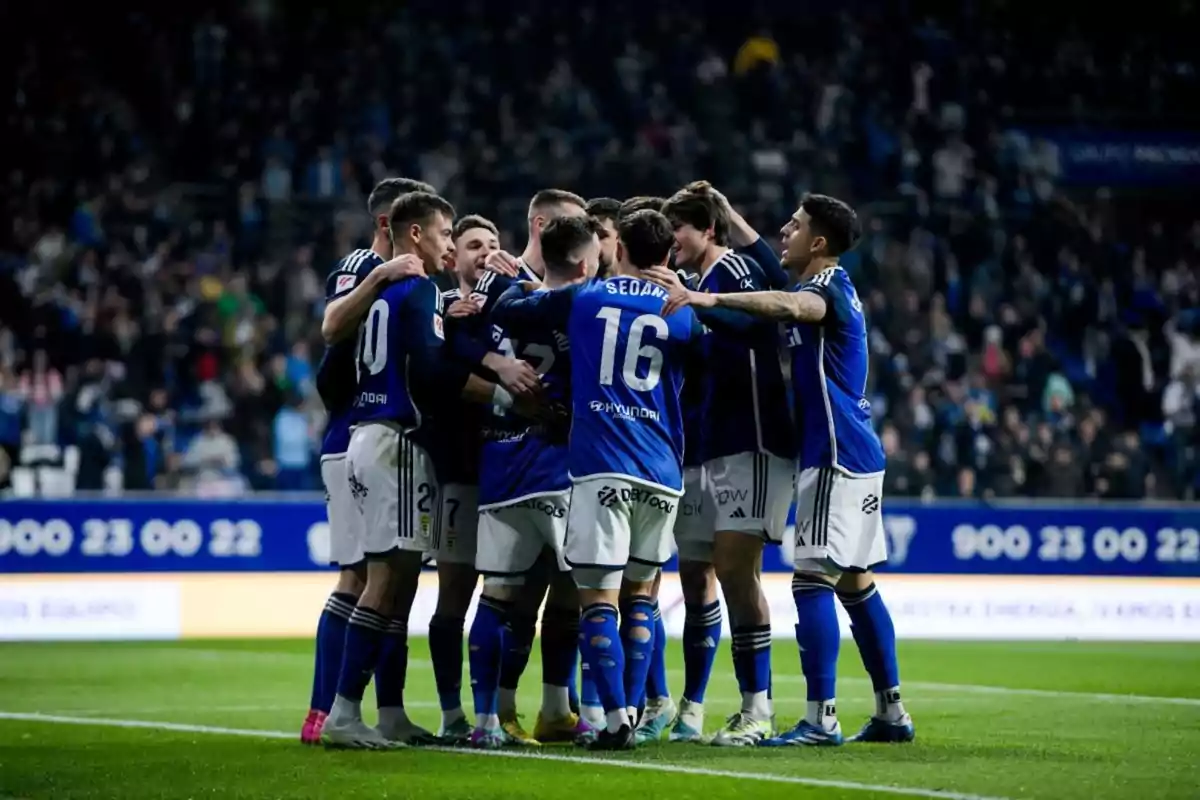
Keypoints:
(178, 181)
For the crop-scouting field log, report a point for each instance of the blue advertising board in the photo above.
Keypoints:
(1123, 158)
(122, 535)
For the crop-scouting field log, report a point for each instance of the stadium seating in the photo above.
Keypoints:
(172, 227)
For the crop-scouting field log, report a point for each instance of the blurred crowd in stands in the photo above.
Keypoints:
(176, 188)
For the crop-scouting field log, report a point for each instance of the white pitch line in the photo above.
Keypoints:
(971, 688)
(678, 769)
(217, 709)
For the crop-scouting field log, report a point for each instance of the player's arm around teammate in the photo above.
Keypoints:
(348, 304)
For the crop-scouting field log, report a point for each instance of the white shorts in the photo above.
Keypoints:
(751, 493)
(694, 522)
(456, 525)
(839, 521)
(345, 520)
(395, 487)
(614, 521)
(511, 538)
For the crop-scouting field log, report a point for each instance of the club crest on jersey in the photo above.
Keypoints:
(343, 283)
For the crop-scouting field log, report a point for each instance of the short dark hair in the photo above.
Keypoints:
(388, 189)
(417, 207)
(647, 238)
(564, 236)
(603, 208)
(700, 210)
(474, 221)
(554, 197)
(640, 203)
(834, 219)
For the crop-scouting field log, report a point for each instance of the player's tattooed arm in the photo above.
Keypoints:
(343, 314)
(778, 306)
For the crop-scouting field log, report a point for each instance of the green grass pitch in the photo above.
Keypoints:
(994, 720)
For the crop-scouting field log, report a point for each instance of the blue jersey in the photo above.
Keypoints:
(829, 374)
(745, 404)
(626, 374)
(520, 459)
(336, 375)
(400, 339)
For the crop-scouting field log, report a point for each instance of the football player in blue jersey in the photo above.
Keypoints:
(457, 429)
(746, 445)
(839, 525)
(625, 455)
(660, 708)
(524, 491)
(545, 206)
(391, 474)
(349, 290)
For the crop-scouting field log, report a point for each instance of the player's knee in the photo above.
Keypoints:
(853, 582)
(352, 580)
(736, 572)
(698, 581)
(816, 569)
(736, 552)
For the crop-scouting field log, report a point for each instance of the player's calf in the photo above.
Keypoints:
(556, 722)
(392, 672)
(701, 639)
(736, 556)
(485, 647)
(819, 638)
(875, 636)
(456, 585)
(366, 632)
(330, 643)
(603, 651)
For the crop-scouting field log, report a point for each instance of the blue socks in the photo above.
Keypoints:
(819, 639)
(445, 651)
(365, 632)
(331, 642)
(637, 642)
(656, 681)
(392, 671)
(875, 635)
(752, 665)
(589, 695)
(486, 645)
(600, 641)
(701, 638)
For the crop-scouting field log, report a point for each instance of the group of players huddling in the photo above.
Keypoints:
(561, 424)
